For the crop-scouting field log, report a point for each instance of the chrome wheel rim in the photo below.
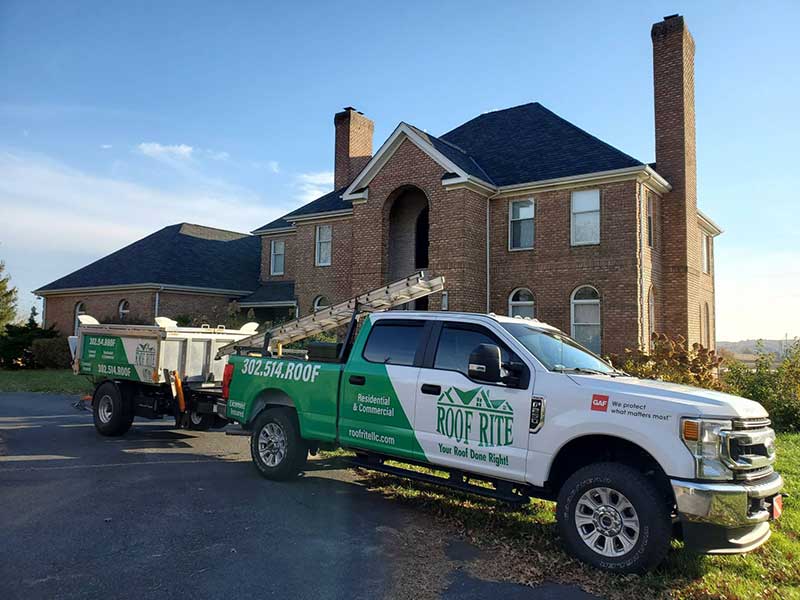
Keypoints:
(272, 444)
(607, 522)
(195, 417)
(105, 409)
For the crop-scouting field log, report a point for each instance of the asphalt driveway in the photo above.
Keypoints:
(165, 513)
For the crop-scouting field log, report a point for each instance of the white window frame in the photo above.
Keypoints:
(273, 254)
(80, 309)
(123, 309)
(651, 234)
(514, 303)
(318, 245)
(705, 252)
(706, 326)
(573, 302)
(318, 303)
(511, 220)
(651, 315)
(572, 214)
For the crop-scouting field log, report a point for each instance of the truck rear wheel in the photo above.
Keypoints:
(277, 449)
(613, 517)
(199, 421)
(112, 410)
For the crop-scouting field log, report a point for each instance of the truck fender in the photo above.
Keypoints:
(269, 397)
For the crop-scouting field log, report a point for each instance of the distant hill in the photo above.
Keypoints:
(776, 347)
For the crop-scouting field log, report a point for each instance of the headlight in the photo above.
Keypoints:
(702, 438)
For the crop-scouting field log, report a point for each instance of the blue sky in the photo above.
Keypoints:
(117, 118)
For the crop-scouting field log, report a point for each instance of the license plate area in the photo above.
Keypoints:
(776, 509)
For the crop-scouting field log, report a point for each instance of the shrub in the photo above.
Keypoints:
(51, 353)
(15, 344)
(670, 360)
(777, 389)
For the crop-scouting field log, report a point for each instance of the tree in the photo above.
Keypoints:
(8, 298)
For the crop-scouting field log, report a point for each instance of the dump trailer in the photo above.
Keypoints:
(153, 371)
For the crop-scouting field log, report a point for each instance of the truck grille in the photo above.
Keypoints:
(749, 450)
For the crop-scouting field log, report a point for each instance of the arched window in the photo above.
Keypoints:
(80, 309)
(651, 315)
(707, 326)
(123, 309)
(520, 303)
(586, 317)
(321, 302)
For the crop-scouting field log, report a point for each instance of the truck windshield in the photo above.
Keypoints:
(557, 351)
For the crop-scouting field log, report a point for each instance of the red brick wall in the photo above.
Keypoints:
(457, 231)
(554, 268)
(332, 281)
(60, 310)
(289, 257)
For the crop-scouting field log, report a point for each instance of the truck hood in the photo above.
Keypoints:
(695, 401)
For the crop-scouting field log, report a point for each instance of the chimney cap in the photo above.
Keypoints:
(675, 16)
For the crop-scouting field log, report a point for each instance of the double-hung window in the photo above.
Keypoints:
(650, 232)
(277, 257)
(323, 251)
(520, 224)
(585, 221)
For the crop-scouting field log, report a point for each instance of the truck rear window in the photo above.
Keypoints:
(394, 343)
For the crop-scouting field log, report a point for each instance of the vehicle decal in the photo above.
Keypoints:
(599, 402)
(109, 356)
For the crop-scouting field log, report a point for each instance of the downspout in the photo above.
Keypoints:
(641, 208)
(488, 256)
(155, 307)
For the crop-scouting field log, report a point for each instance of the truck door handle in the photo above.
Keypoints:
(357, 379)
(433, 390)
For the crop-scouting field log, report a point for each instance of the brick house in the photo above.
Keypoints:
(522, 212)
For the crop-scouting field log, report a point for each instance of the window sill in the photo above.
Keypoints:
(520, 249)
(580, 244)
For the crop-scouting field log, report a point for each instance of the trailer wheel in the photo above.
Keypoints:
(112, 410)
(613, 517)
(200, 422)
(278, 451)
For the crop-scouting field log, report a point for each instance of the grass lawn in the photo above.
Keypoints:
(522, 545)
(55, 381)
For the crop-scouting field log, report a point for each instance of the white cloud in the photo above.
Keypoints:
(313, 185)
(161, 151)
(64, 218)
(213, 155)
(106, 146)
(273, 166)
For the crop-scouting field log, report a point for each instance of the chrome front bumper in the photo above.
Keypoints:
(726, 517)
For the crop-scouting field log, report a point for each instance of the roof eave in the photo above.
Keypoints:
(708, 224)
(98, 289)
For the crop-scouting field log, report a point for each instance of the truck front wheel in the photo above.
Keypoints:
(277, 449)
(613, 517)
(113, 413)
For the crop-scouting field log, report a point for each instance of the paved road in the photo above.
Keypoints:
(164, 513)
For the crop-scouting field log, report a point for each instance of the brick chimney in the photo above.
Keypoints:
(353, 145)
(673, 80)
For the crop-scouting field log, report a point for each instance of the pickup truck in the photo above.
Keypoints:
(519, 405)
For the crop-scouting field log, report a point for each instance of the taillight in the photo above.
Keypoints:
(227, 377)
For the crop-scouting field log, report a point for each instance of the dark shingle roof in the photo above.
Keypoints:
(182, 255)
(530, 143)
(332, 201)
(455, 154)
(273, 291)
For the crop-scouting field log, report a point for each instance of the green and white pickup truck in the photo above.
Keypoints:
(520, 406)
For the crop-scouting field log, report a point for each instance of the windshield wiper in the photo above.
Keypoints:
(581, 370)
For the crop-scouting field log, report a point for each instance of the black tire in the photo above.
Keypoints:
(620, 488)
(200, 422)
(277, 424)
(112, 409)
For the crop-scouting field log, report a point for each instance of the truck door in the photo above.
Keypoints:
(379, 387)
(469, 424)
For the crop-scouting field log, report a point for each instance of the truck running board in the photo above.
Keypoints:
(457, 481)
(385, 297)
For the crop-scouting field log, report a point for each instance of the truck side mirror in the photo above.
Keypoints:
(485, 363)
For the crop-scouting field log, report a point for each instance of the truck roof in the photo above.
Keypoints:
(455, 316)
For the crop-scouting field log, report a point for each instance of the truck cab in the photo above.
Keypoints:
(519, 404)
